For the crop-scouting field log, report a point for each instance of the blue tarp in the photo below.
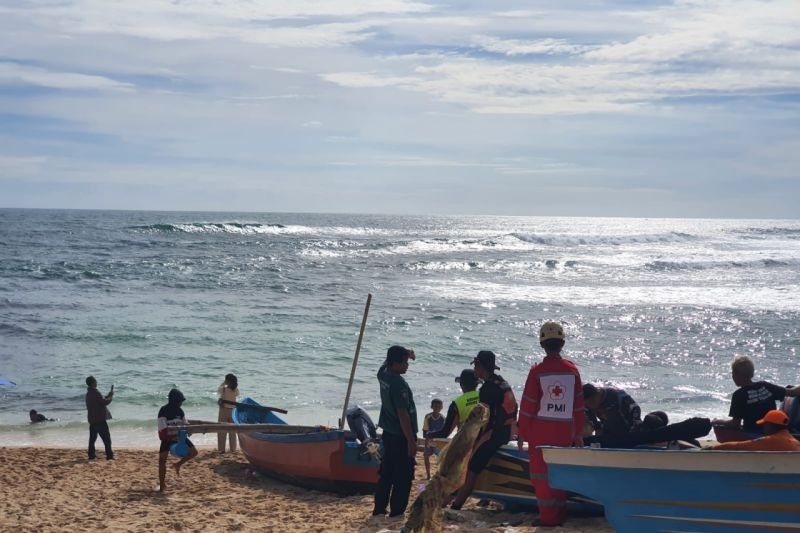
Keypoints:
(6, 382)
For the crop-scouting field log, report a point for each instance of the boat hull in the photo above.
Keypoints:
(507, 479)
(697, 491)
(322, 460)
(724, 434)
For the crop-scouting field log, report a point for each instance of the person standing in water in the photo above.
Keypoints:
(552, 413)
(98, 416)
(228, 391)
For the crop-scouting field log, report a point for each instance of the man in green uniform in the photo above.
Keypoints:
(399, 422)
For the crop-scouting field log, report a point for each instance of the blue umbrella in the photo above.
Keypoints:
(6, 382)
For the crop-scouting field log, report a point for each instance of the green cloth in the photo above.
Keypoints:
(395, 394)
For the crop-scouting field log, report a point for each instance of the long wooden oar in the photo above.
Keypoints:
(255, 407)
(279, 429)
(355, 362)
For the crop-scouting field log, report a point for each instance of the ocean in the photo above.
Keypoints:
(148, 301)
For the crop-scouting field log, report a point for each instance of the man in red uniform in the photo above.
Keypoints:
(551, 414)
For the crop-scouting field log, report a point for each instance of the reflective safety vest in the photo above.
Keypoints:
(465, 403)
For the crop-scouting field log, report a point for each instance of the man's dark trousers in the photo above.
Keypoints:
(100, 428)
(394, 476)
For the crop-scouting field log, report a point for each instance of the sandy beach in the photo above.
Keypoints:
(57, 489)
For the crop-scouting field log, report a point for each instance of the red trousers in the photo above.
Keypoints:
(552, 502)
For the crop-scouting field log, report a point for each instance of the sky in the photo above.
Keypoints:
(629, 108)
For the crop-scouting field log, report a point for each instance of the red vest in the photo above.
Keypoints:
(552, 403)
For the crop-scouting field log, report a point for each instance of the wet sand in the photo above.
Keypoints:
(58, 489)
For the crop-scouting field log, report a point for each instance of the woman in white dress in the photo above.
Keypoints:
(229, 390)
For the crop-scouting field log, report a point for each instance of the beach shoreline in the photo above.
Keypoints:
(58, 489)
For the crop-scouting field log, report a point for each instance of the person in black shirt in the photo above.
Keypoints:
(498, 396)
(168, 416)
(752, 400)
(612, 412)
(38, 417)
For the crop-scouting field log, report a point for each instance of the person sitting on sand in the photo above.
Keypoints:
(228, 391)
(38, 417)
(776, 436)
(752, 400)
(433, 422)
(496, 393)
(461, 407)
(171, 415)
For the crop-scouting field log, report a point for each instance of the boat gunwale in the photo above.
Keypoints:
(716, 461)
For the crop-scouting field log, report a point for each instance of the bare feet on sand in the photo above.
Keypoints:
(177, 468)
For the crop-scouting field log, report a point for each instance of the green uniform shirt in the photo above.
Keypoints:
(395, 394)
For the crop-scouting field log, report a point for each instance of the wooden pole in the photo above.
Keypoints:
(254, 407)
(279, 429)
(355, 362)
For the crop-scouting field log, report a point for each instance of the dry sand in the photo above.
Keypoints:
(52, 489)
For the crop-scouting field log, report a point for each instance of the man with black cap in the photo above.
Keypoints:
(171, 415)
(398, 420)
(496, 393)
(461, 407)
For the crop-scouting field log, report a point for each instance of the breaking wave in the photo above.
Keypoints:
(776, 231)
(254, 228)
(590, 240)
(666, 266)
(490, 266)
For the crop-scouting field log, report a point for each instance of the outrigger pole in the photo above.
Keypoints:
(355, 362)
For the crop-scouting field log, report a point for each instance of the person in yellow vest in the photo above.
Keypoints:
(228, 391)
(776, 436)
(461, 407)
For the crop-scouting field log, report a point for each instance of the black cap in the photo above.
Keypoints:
(467, 377)
(485, 358)
(175, 396)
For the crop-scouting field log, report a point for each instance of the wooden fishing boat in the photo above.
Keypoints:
(506, 479)
(647, 490)
(331, 460)
(323, 459)
(724, 434)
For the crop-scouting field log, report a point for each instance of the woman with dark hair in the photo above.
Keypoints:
(228, 391)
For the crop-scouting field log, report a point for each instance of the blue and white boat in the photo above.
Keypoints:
(684, 490)
(507, 479)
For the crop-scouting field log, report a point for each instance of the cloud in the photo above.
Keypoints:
(702, 48)
(17, 74)
(516, 47)
(396, 93)
(285, 23)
